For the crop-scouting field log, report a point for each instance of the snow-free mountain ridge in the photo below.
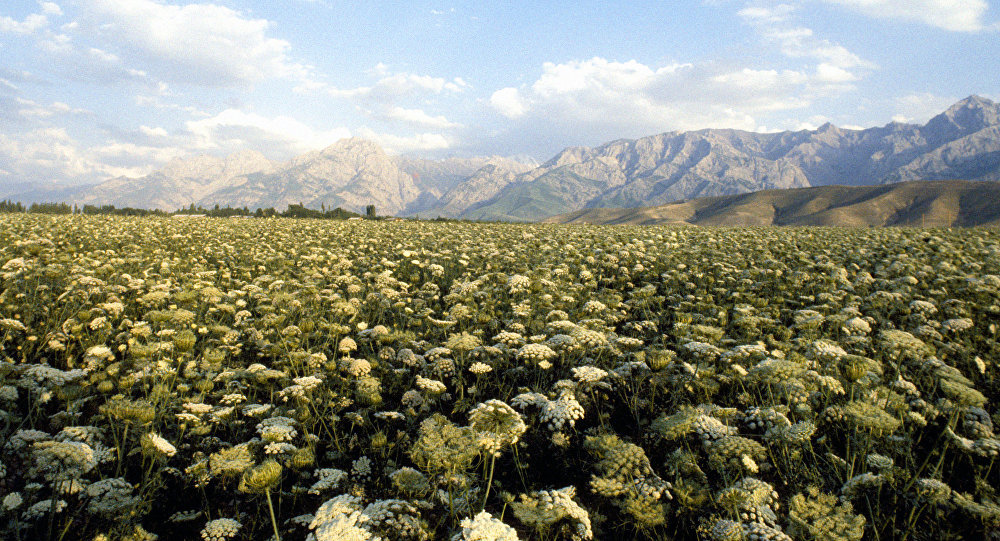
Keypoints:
(962, 142)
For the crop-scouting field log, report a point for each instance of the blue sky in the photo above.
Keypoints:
(91, 89)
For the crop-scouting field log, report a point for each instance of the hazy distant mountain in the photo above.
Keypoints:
(481, 185)
(960, 143)
(351, 174)
(180, 182)
(914, 203)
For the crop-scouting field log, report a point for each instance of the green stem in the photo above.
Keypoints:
(520, 468)
(121, 447)
(274, 521)
(52, 509)
(912, 520)
(489, 482)
(66, 529)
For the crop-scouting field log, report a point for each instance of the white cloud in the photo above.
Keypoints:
(766, 81)
(233, 130)
(381, 100)
(602, 99)
(829, 73)
(389, 87)
(51, 8)
(29, 25)
(51, 155)
(954, 15)
(30, 108)
(202, 44)
(157, 103)
(769, 14)
(396, 144)
(404, 83)
(153, 132)
(146, 155)
(284, 137)
(418, 117)
(508, 102)
(777, 25)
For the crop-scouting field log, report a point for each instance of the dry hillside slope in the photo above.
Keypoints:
(931, 204)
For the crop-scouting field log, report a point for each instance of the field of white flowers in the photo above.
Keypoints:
(257, 379)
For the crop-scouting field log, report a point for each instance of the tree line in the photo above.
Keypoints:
(293, 211)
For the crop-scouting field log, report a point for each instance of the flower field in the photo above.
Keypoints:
(257, 379)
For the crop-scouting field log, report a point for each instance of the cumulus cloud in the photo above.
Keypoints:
(51, 8)
(284, 137)
(157, 102)
(200, 44)
(417, 117)
(153, 132)
(141, 157)
(47, 155)
(233, 130)
(829, 73)
(953, 15)
(508, 102)
(30, 108)
(777, 25)
(597, 99)
(388, 87)
(384, 97)
(29, 25)
(397, 144)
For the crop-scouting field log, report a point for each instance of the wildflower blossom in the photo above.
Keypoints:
(544, 509)
(160, 445)
(485, 528)
(220, 529)
(12, 501)
(479, 368)
(588, 374)
(497, 425)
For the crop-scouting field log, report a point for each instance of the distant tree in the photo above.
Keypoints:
(370, 212)
(10, 206)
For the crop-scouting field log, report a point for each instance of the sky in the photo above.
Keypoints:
(93, 89)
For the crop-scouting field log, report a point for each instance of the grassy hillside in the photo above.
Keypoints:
(934, 203)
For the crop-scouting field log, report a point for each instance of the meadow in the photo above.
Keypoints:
(223, 379)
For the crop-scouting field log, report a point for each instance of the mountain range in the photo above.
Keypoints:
(962, 142)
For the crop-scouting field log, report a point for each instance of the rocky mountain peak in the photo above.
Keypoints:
(201, 166)
(245, 162)
(965, 117)
(569, 155)
(208, 168)
(353, 146)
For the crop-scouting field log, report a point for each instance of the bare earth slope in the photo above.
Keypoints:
(914, 203)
